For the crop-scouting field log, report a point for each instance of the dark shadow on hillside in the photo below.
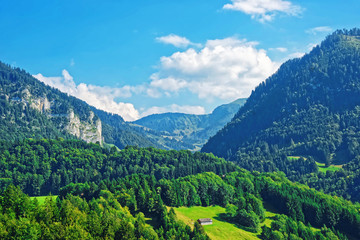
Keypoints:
(223, 218)
(152, 221)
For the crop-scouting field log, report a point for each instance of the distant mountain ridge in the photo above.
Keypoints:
(29, 108)
(309, 107)
(190, 130)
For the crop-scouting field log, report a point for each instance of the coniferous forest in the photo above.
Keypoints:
(310, 109)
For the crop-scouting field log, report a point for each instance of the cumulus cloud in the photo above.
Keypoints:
(177, 41)
(99, 97)
(167, 84)
(279, 49)
(264, 10)
(174, 108)
(321, 29)
(225, 68)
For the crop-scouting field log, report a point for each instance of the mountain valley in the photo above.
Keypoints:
(281, 164)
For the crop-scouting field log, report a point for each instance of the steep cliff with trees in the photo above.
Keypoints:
(29, 108)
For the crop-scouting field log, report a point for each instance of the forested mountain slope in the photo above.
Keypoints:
(106, 210)
(103, 201)
(244, 195)
(309, 107)
(190, 130)
(29, 108)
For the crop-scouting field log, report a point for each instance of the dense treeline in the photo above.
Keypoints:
(41, 167)
(116, 209)
(284, 227)
(75, 218)
(309, 206)
(241, 192)
(344, 182)
(91, 172)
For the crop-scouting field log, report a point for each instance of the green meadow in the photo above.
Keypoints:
(220, 229)
(324, 169)
(41, 199)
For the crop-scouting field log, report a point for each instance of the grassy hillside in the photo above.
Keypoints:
(219, 229)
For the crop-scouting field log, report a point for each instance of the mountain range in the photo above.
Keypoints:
(189, 130)
(29, 108)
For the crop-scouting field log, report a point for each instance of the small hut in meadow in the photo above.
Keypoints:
(205, 221)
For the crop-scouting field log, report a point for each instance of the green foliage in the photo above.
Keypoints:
(284, 227)
(301, 204)
(344, 182)
(75, 218)
(95, 209)
(41, 167)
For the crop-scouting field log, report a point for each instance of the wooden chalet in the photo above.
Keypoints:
(205, 221)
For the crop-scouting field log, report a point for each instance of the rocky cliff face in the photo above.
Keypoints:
(88, 130)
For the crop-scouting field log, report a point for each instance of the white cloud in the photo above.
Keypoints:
(177, 41)
(316, 30)
(296, 55)
(72, 62)
(225, 68)
(99, 97)
(153, 92)
(279, 49)
(264, 10)
(174, 108)
(167, 84)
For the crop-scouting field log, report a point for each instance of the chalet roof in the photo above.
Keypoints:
(204, 220)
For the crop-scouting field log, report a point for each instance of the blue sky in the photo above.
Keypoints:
(138, 57)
